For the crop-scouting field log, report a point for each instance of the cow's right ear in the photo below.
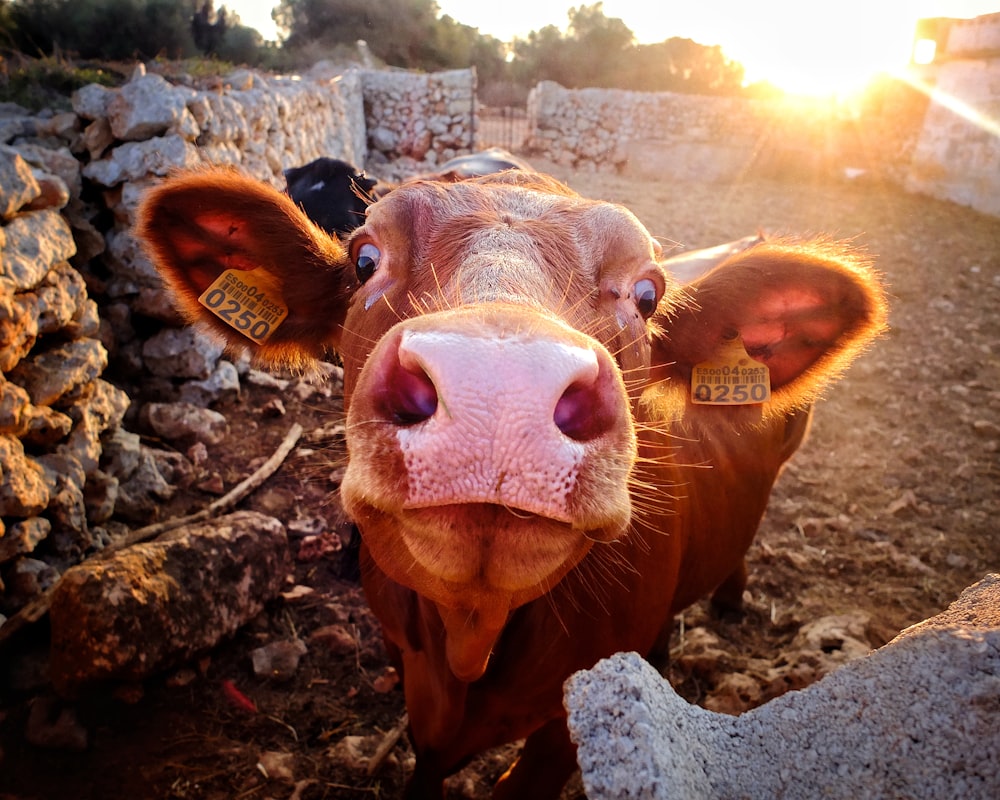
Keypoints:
(242, 259)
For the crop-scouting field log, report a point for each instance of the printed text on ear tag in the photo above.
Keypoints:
(248, 301)
(732, 378)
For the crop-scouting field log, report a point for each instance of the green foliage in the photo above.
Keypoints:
(682, 65)
(219, 34)
(242, 45)
(595, 50)
(456, 46)
(598, 51)
(399, 32)
(39, 83)
(109, 29)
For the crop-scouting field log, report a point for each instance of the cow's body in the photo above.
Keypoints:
(535, 487)
(479, 164)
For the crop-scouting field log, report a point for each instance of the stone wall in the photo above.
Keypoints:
(608, 129)
(970, 38)
(427, 118)
(55, 409)
(695, 137)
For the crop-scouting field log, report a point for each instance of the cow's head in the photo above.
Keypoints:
(499, 338)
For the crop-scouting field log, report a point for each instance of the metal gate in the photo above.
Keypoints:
(505, 127)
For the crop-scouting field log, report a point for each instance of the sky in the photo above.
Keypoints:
(801, 46)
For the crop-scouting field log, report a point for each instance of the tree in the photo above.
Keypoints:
(599, 45)
(456, 45)
(401, 33)
(7, 24)
(208, 28)
(112, 29)
(593, 52)
(242, 45)
(397, 31)
(683, 65)
(601, 51)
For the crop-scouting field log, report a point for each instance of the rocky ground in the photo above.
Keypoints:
(881, 519)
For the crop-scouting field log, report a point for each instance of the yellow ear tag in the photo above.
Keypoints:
(247, 300)
(731, 379)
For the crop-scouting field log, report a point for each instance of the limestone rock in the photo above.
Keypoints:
(18, 327)
(181, 353)
(185, 423)
(142, 491)
(145, 107)
(36, 242)
(15, 408)
(23, 491)
(917, 718)
(53, 374)
(135, 160)
(23, 537)
(17, 183)
(91, 101)
(155, 605)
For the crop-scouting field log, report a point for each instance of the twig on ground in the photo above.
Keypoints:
(224, 503)
(386, 745)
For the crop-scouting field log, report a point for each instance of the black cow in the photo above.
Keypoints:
(334, 194)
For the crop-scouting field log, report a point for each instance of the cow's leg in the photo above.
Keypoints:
(659, 653)
(424, 783)
(547, 761)
(728, 595)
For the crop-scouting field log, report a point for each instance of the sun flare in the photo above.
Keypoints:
(834, 53)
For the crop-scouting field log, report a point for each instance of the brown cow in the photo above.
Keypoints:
(552, 446)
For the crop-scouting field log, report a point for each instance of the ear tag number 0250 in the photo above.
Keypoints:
(731, 379)
(248, 301)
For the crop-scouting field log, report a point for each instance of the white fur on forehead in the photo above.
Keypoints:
(514, 223)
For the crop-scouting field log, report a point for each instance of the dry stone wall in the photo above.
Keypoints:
(604, 128)
(693, 137)
(421, 118)
(55, 408)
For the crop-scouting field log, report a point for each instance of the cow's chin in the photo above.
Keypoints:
(476, 563)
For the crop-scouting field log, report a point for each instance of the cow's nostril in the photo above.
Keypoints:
(577, 412)
(412, 397)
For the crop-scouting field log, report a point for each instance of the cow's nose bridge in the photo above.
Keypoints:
(503, 273)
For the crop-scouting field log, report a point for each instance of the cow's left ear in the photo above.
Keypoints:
(804, 311)
(242, 259)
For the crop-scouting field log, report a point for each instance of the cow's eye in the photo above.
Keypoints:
(366, 261)
(646, 298)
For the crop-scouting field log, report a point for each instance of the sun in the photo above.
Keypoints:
(835, 53)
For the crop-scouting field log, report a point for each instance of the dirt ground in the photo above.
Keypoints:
(882, 518)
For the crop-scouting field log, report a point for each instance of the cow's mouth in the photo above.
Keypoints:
(497, 547)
